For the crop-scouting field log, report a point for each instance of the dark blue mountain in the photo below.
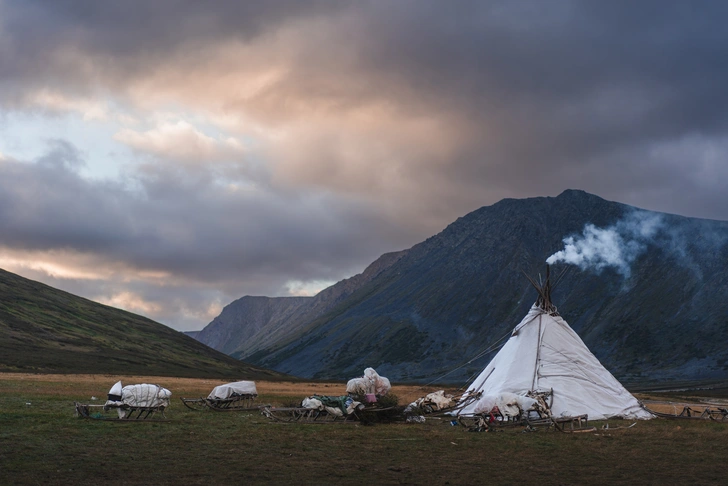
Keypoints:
(661, 317)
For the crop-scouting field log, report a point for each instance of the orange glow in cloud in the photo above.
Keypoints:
(131, 302)
(70, 265)
(180, 140)
(50, 265)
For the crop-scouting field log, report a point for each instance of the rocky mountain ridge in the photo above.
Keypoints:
(445, 300)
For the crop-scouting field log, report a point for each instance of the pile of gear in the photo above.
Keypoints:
(368, 386)
(363, 395)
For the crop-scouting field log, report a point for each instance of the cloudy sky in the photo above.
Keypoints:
(170, 156)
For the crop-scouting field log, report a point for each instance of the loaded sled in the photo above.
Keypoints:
(439, 403)
(363, 402)
(230, 397)
(318, 409)
(532, 411)
(129, 403)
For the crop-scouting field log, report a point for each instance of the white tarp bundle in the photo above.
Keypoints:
(370, 383)
(143, 395)
(360, 386)
(508, 404)
(237, 388)
(115, 392)
(485, 404)
(543, 354)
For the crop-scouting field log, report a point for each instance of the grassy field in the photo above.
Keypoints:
(41, 442)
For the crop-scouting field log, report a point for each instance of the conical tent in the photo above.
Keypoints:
(544, 354)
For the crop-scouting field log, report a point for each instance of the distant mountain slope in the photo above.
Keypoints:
(43, 329)
(224, 333)
(269, 319)
(455, 294)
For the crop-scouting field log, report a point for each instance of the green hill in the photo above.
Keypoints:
(45, 330)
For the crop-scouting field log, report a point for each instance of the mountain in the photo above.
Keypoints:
(46, 330)
(225, 335)
(444, 301)
(270, 319)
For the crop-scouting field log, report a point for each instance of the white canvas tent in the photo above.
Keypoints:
(544, 354)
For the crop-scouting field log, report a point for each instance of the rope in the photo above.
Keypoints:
(490, 349)
(469, 380)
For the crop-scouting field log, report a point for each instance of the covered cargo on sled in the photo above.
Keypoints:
(236, 396)
(132, 402)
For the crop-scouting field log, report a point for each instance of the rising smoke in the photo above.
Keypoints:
(616, 246)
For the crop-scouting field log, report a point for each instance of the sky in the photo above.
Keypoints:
(169, 157)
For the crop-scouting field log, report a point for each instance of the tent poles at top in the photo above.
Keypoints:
(544, 289)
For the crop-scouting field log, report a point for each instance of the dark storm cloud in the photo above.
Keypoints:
(47, 204)
(569, 90)
(41, 38)
(398, 117)
(580, 75)
(192, 227)
(178, 242)
(554, 82)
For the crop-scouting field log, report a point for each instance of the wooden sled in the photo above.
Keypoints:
(576, 424)
(532, 420)
(316, 416)
(488, 421)
(536, 419)
(240, 403)
(306, 415)
(485, 422)
(718, 414)
(495, 419)
(129, 413)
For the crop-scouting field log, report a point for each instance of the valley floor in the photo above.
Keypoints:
(42, 442)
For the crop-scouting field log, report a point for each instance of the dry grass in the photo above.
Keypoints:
(42, 443)
(97, 385)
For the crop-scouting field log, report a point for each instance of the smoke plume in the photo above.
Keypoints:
(616, 246)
